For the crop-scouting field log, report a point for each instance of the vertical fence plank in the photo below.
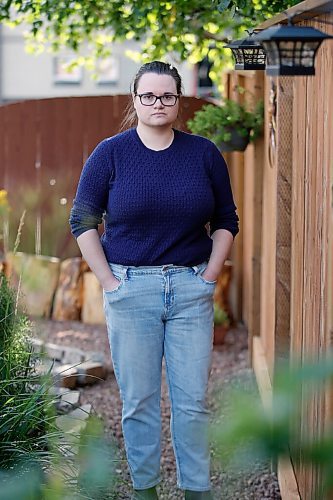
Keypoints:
(252, 218)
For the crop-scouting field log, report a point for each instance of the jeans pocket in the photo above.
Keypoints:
(199, 272)
(120, 278)
(211, 283)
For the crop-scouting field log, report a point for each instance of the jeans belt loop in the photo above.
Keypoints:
(195, 269)
(125, 272)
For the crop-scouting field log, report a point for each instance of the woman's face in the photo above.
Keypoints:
(157, 115)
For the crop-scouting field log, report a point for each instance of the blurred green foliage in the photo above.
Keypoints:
(253, 432)
(192, 29)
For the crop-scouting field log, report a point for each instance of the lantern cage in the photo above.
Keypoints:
(248, 54)
(291, 50)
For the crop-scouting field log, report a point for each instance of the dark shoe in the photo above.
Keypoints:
(198, 495)
(149, 494)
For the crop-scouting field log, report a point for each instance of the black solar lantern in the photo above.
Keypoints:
(248, 54)
(290, 49)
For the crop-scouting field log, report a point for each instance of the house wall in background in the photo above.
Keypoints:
(29, 76)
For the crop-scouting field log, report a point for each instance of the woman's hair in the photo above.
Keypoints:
(159, 68)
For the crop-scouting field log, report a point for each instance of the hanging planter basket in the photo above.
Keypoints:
(237, 142)
(230, 126)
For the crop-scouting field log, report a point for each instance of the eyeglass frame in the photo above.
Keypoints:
(177, 96)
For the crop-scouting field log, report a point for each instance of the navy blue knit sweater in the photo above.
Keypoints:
(155, 203)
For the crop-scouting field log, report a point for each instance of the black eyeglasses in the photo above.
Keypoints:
(150, 99)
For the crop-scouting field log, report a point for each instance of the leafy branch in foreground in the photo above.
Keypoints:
(190, 28)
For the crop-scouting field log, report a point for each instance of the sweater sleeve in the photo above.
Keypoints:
(92, 192)
(225, 216)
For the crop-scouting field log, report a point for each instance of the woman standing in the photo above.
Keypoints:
(158, 188)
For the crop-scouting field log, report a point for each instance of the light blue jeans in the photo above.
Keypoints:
(155, 312)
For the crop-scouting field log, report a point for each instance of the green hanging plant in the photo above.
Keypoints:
(230, 126)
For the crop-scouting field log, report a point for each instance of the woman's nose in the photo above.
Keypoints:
(158, 103)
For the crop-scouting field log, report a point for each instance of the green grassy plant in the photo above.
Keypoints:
(37, 460)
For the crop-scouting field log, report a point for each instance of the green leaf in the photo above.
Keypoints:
(222, 6)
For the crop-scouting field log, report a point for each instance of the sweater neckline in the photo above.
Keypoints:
(156, 151)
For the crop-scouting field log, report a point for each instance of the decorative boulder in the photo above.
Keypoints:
(36, 278)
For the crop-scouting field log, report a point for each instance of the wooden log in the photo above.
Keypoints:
(92, 307)
(69, 295)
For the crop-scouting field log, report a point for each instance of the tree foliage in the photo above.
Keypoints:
(191, 29)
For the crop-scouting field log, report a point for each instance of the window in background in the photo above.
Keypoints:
(64, 73)
(108, 70)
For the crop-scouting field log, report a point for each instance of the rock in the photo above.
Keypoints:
(68, 401)
(36, 278)
(37, 345)
(90, 373)
(95, 356)
(65, 376)
(73, 355)
(68, 297)
(92, 307)
(54, 351)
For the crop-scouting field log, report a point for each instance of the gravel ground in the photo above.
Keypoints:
(230, 366)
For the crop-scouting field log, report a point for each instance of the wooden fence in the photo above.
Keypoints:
(283, 258)
(43, 145)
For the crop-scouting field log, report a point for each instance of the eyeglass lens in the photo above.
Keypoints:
(150, 99)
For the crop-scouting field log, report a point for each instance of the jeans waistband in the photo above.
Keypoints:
(170, 268)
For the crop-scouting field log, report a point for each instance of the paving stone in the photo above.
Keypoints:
(37, 345)
(90, 373)
(75, 421)
(68, 401)
(67, 424)
(58, 391)
(73, 355)
(54, 351)
(82, 413)
(95, 356)
(44, 366)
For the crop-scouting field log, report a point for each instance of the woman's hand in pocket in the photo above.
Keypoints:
(111, 284)
(209, 276)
